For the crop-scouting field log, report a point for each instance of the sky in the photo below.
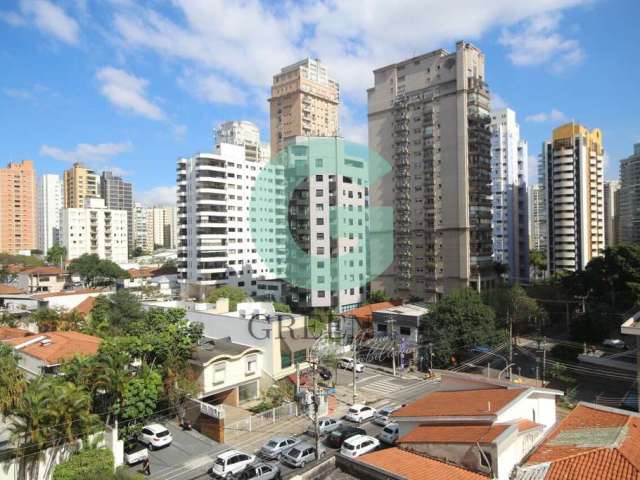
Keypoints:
(131, 86)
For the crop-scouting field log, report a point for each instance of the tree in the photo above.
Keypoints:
(378, 296)
(459, 322)
(501, 269)
(281, 307)
(91, 463)
(234, 294)
(141, 397)
(12, 381)
(513, 302)
(538, 261)
(47, 319)
(94, 271)
(138, 252)
(56, 254)
(111, 380)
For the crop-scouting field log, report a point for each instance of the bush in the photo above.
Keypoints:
(93, 463)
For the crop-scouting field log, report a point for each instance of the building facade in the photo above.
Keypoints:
(142, 227)
(50, 205)
(95, 229)
(304, 102)
(574, 197)
(170, 226)
(537, 215)
(80, 183)
(118, 195)
(429, 117)
(611, 202)
(510, 221)
(629, 198)
(18, 232)
(247, 134)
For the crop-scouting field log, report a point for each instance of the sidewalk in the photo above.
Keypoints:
(389, 371)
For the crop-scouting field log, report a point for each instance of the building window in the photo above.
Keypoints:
(485, 459)
(405, 331)
(320, 293)
(382, 328)
(248, 392)
(252, 365)
(285, 360)
(219, 373)
(300, 356)
(319, 192)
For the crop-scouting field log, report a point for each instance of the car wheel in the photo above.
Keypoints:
(302, 464)
(150, 447)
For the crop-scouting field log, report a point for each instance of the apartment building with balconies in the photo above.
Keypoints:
(80, 183)
(629, 198)
(18, 231)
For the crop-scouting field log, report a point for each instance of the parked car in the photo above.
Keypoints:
(276, 445)
(359, 445)
(389, 433)
(325, 425)
(230, 463)
(135, 452)
(259, 471)
(325, 373)
(301, 454)
(336, 438)
(155, 436)
(615, 343)
(382, 415)
(359, 413)
(347, 364)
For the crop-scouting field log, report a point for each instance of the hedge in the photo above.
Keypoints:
(87, 464)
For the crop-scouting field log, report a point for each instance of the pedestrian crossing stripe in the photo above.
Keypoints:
(389, 386)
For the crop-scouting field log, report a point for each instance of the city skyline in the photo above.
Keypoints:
(144, 117)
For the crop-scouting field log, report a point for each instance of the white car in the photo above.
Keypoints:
(382, 415)
(135, 452)
(347, 364)
(155, 436)
(230, 463)
(389, 433)
(359, 445)
(359, 413)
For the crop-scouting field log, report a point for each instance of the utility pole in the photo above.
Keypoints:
(316, 406)
(355, 363)
(510, 341)
(544, 359)
(430, 358)
(391, 322)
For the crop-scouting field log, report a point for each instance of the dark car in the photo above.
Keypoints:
(325, 373)
(339, 435)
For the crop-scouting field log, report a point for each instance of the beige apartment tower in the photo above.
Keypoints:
(18, 208)
(574, 192)
(80, 183)
(304, 102)
(429, 118)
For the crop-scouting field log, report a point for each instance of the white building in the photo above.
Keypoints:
(143, 227)
(244, 133)
(50, 197)
(537, 218)
(510, 218)
(95, 230)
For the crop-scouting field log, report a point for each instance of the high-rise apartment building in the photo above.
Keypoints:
(170, 227)
(574, 197)
(629, 198)
(80, 183)
(538, 216)
(246, 134)
(50, 198)
(18, 231)
(118, 195)
(95, 229)
(429, 117)
(304, 102)
(611, 202)
(510, 224)
(143, 227)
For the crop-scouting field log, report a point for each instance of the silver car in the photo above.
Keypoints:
(301, 454)
(259, 471)
(325, 425)
(382, 415)
(276, 445)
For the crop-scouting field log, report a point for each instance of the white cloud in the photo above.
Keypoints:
(180, 130)
(497, 102)
(127, 92)
(353, 127)
(157, 196)
(18, 93)
(91, 154)
(12, 18)
(538, 41)
(212, 89)
(553, 116)
(49, 18)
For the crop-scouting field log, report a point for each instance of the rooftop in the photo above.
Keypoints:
(85, 306)
(213, 349)
(406, 309)
(54, 347)
(7, 333)
(10, 290)
(79, 291)
(43, 271)
(364, 314)
(464, 433)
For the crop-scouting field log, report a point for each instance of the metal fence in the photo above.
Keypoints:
(259, 420)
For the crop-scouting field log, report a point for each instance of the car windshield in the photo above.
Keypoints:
(220, 462)
(294, 452)
(353, 410)
(164, 433)
(336, 433)
(272, 443)
(387, 430)
(348, 446)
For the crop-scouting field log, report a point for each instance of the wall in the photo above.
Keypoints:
(543, 404)
(235, 374)
(68, 302)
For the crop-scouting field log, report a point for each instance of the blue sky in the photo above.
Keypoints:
(132, 85)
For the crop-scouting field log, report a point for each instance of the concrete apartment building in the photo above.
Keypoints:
(611, 207)
(142, 220)
(80, 183)
(629, 198)
(247, 134)
(50, 198)
(429, 117)
(18, 231)
(118, 195)
(573, 164)
(537, 217)
(510, 224)
(95, 229)
(304, 102)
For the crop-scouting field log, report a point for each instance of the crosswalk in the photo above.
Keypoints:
(398, 388)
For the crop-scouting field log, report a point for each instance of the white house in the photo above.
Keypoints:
(42, 280)
(69, 299)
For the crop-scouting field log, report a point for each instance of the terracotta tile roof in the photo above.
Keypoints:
(147, 272)
(364, 314)
(63, 345)
(79, 291)
(524, 425)
(460, 403)
(454, 433)
(43, 271)
(591, 443)
(7, 333)
(9, 290)
(85, 306)
(412, 466)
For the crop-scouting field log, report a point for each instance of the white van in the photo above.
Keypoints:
(359, 445)
(347, 364)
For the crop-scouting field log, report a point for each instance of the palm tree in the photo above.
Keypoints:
(12, 381)
(111, 381)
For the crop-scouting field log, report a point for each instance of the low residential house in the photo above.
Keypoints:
(360, 319)
(593, 442)
(15, 300)
(9, 333)
(44, 353)
(482, 425)
(227, 372)
(164, 279)
(42, 280)
(400, 321)
(70, 299)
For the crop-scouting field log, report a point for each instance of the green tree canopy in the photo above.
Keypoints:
(281, 307)
(378, 296)
(234, 294)
(56, 254)
(95, 271)
(513, 301)
(12, 381)
(141, 397)
(87, 464)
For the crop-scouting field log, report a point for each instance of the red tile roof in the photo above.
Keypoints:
(9, 290)
(79, 291)
(460, 403)
(63, 345)
(43, 271)
(146, 272)
(592, 443)
(454, 433)
(364, 314)
(524, 425)
(7, 333)
(412, 466)
(85, 306)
